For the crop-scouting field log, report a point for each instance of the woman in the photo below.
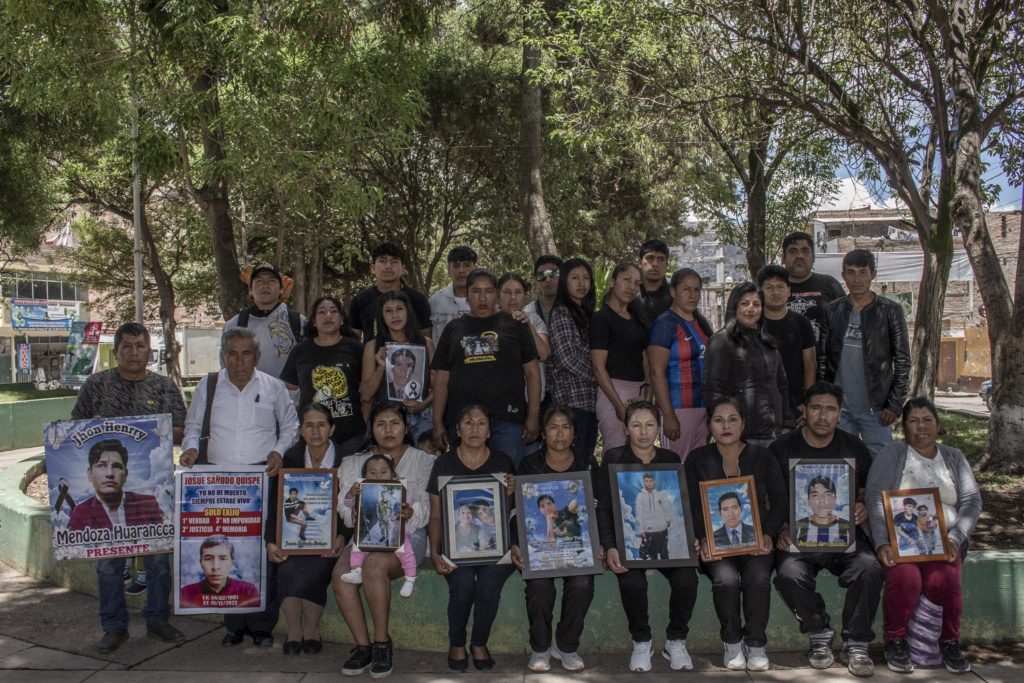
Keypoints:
(921, 462)
(556, 457)
(743, 578)
(643, 426)
(512, 291)
(675, 353)
(570, 375)
(325, 368)
(618, 341)
(743, 362)
(388, 436)
(476, 588)
(488, 358)
(397, 324)
(302, 580)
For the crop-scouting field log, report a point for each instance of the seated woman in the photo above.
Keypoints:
(921, 462)
(302, 580)
(472, 589)
(388, 436)
(642, 427)
(745, 578)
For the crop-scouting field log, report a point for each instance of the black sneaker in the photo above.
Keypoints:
(381, 667)
(953, 658)
(857, 660)
(361, 658)
(136, 587)
(820, 654)
(897, 656)
(111, 640)
(162, 630)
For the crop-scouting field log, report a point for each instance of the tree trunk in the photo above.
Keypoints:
(757, 206)
(165, 290)
(924, 349)
(536, 225)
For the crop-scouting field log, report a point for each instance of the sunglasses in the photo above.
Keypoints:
(547, 275)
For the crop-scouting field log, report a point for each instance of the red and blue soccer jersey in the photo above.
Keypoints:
(685, 341)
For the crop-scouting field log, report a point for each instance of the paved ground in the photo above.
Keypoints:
(967, 403)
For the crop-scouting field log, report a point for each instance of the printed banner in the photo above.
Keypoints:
(83, 345)
(39, 314)
(221, 561)
(110, 486)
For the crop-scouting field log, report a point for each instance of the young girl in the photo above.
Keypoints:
(381, 468)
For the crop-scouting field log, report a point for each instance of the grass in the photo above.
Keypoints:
(966, 433)
(27, 392)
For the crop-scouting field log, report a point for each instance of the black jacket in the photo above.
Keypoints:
(886, 349)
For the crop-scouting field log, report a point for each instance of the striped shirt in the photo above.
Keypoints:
(685, 341)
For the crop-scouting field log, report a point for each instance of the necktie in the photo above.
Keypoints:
(735, 537)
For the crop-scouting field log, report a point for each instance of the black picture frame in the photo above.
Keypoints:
(626, 482)
(567, 545)
(824, 474)
(485, 495)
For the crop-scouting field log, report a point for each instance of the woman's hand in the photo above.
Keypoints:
(352, 492)
(382, 359)
(440, 436)
(766, 545)
(885, 556)
(954, 552)
(337, 546)
(510, 484)
(704, 551)
(785, 540)
(406, 511)
(441, 566)
(620, 411)
(517, 557)
(521, 317)
(275, 554)
(670, 425)
(614, 563)
(414, 407)
(860, 513)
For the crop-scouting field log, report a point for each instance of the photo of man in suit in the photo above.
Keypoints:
(112, 505)
(733, 532)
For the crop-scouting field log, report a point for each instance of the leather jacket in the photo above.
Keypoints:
(886, 349)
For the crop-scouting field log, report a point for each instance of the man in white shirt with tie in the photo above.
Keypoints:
(653, 515)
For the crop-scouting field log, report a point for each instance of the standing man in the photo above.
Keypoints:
(809, 292)
(859, 572)
(795, 335)
(387, 269)
(654, 516)
(654, 287)
(545, 274)
(131, 389)
(449, 303)
(868, 354)
(252, 420)
(277, 327)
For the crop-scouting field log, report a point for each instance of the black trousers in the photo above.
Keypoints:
(259, 622)
(577, 593)
(859, 573)
(742, 584)
(682, 583)
(657, 545)
(474, 590)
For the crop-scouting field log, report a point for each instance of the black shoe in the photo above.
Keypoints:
(485, 664)
(164, 631)
(361, 658)
(458, 664)
(111, 640)
(291, 647)
(262, 638)
(233, 638)
(953, 658)
(897, 656)
(135, 588)
(382, 664)
(312, 647)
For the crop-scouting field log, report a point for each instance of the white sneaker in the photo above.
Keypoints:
(734, 658)
(410, 583)
(640, 660)
(354, 576)
(571, 661)
(675, 652)
(540, 662)
(757, 658)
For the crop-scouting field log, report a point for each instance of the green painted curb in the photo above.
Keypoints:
(21, 422)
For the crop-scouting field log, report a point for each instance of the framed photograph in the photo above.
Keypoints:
(557, 532)
(306, 511)
(917, 526)
(732, 521)
(821, 501)
(379, 523)
(651, 508)
(474, 517)
(406, 370)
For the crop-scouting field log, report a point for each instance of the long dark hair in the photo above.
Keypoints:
(581, 312)
(734, 329)
(386, 407)
(412, 326)
(677, 278)
(312, 332)
(634, 307)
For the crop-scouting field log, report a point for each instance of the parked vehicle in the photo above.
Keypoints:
(986, 393)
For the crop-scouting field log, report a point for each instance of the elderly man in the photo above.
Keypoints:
(130, 389)
(252, 420)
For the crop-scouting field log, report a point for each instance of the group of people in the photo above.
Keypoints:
(799, 370)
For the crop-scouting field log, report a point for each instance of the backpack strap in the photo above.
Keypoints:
(295, 321)
(204, 435)
(243, 318)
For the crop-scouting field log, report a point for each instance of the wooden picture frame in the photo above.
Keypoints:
(930, 542)
(744, 492)
(557, 525)
(817, 486)
(639, 549)
(474, 519)
(378, 506)
(315, 502)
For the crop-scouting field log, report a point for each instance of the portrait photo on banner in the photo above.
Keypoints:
(111, 484)
(220, 559)
(406, 370)
(474, 519)
(916, 524)
(306, 511)
(821, 502)
(557, 532)
(379, 523)
(651, 509)
(732, 521)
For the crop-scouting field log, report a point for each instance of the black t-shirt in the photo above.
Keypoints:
(624, 340)
(792, 445)
(329, 375)
(362, 313)
(794, 335)
(484, 358)
(537, 463)
(656, 302)
(808, 298)
(449, 465)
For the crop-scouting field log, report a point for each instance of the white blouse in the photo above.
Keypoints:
(413, 470)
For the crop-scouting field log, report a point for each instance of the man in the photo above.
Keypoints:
(908, 534)
(545, 274)
(868, 354)
(401, 385)
(654, 289)
(793, 332)
(295, 512)
(387, 269)
(277, 327)
(561, 523)
(822, 528)
(252, 420)
(734, 531)
(449, 303)
(859, 572)
(131, 389)
(809, 292)
(112, 505)
(653, 512)
(217, 588)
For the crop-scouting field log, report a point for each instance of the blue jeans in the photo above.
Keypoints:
(865, 424)
(477, 590)
(114, 610)
(507, 437)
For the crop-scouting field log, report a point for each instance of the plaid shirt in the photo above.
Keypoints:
(569, 373)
